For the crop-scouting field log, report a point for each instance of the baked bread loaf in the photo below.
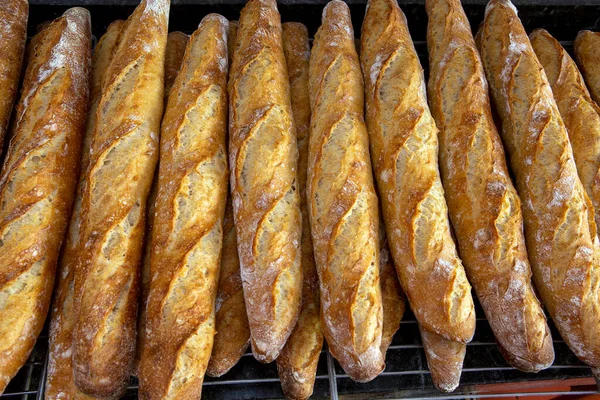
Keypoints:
(123, 155)
(38, 180)
(59, 378)
(587, 54)
(558, 215)
(187, 232)
(483, 204)
(297, 363)
(232, 333)
(266, 202)
(579, 112)
(176, 44)
(13, 35)
(342, 203)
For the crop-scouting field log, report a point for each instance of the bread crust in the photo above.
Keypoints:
(297, 363)
(13, 35)
(176, 44)
(579, 112)
(483, 204)
(59, 379)
(38, 181)
(187, 233)
(587, 55)
(559, 219)
(342, 203)
(266, 202)
(123, 155)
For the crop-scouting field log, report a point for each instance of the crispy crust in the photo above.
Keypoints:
(558, 215)
(123, 155)
(587, 54)
(187, 233)
(266, 202)
(38, 181)
(59, 381)
(483, 204)
(342, 200)
(176, 44)
(297, 363)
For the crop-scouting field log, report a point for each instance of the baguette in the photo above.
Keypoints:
(59, 379)
(297, 363)
(38, 181)
(342, 203)
(232, 333)
(483, 204)
(559, 221)
(176, 44)
(187, 233)
(123, 155)
(13, 35)
(263, 157)
(587, 54)
(579, 112)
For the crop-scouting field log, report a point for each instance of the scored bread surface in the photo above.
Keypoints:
(38, 181)
(342, 203)
(559, 218)
(483, 204)
(266, 202)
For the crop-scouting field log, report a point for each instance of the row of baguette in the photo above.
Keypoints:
(307, 227)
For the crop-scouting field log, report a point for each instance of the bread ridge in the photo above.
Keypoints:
(586, 47)
(342, 203)
(232, 333)
(59, 378)
(419, 230)
(263, 156)
(38, 180)
(579, 112)
(297, 362)
(176, 44)
(483, 204)
(13, 35)
(124, 144)
(187, 233)
(559, 222)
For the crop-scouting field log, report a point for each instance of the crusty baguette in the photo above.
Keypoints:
(342, 203)
(559, 219)
(123, 155)
(59, 380)
(587, 54)
(579, 112)
(297, 363)
(266, 202)
(392, 297)
(232, 35)
(483, 204)
(13, 34)
(444, 359)
(176, 44)
(187, 232)
(38, 181)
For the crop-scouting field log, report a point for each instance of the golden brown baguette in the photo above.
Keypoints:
(558, 215)
(342, 203)
(579, 112)
(123, 155)
(483, 204)
(176, 44)
(38, 181)
(587, 54)
(392, 296)
(13, 35)
(297, 363)
(444, 359)
(59, 380)
(263, 156)
(232, 333)
(187, 232)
